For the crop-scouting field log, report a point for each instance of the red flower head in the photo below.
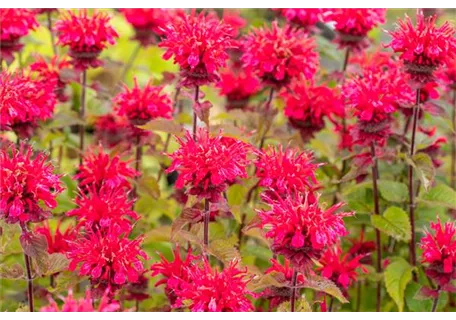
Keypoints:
(284, 274)
(57, 242)
(24, 102)
(447, 75)
(199, 44)
(208, 164)
(300, 229)
(52, 70)
(112, 130)
(339, 268)
(234, 20)
(304, 18)
(85, 35)
(100, 169)
(425, 47)
(104, 208)
(142, 105)
(70, 304)
(306, 106)
(286, 171)
(238, 86)
(16, 23)
(210, 290)
(147, 22)
(279, 55)
(439, 251)
(435, 152)
(109, 259)
(27, 178)
(173, 270)
(353, 25)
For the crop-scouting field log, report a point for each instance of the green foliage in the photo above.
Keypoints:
(397, 275)
(394, 222)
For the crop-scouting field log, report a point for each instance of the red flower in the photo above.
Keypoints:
(233, 18)
(85, 35)
(447, 75)
(286, 171)
(199, 44)
(425, 47)
(208, 164)
(171, 271)
(57, 242)
(307, 105)
(238, 86)
(104, 208)
(339, 268)
(210, 290)
(109, 259)
(16, 23)
(284, 274)
(25, 101)
(142, 105)
(100, 169)
(82, 305)
(147, 22)
(300, 229)
(304, 18)
(112, 130)
(279, 55)
(353, 25)
(52, 70)
(439, 251)
(27, 179)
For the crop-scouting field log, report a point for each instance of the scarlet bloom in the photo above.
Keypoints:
(16, 23)
(300, 230)
(447, 75)
(238, 86)
(70, 304)
(307, 105)
(234, 19)
(86, 36)
(109, 259)
(208, 164)
(304, 18)
(147, 22)
(112, 130)
(423, 47)
(439, 252)
(142, 105)
(57, 241)
(279, 55)
(27, 179)
(99, 168)
(286, 171)
(209, 290)
(172, 272)
(199, 44)
(284, 274)
(353, 25)
(24, 102)
(104, 208)
(53, 70)
(340, 268)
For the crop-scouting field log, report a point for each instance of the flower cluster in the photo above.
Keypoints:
(70, 304)
(85, 35)
(58, 242)
(279, 55)
(27, 179)
(238, 86)
(300, 229)
(147, 22)
(206, 164)
(199, 44)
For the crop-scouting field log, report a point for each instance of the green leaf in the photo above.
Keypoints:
(13, 272)
(392, 190)
(440, 195)
(425, 169)
(301, 305)
(163, 125)
(236, 194)
(327, 286)
(394, 222)
(225, 249)
(397, 275)
(149, 186)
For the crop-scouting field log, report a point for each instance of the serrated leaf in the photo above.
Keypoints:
(188, 215)
(394, 222)
(57, 262)
(392, 190)
(324, 285)
(413, 302)
(13, 272)
(397, 275)
(224, 249)
(34, 245)
(425, 169)
(164, 125)
(301, 305)
(440, 195)
(273, 279)
(149, 186)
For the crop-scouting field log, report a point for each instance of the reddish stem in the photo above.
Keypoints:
(377, 232)
(29, 279)
(49, 21)
(207, 215)
(82, 116)
(294, 281)
(194, 113)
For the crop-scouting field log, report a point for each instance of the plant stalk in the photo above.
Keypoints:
(453, 144)
(377, 232)
(49, 21)
(82, 116)
(436, 300)
(29, 279)
(207, 215)
(294, 281)
(195, 118)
